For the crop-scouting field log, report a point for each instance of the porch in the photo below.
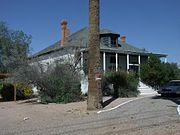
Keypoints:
(119, 61)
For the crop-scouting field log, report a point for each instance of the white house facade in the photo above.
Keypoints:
(116, 53)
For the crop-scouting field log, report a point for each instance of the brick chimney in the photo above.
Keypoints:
(65, 32)
(123, 39)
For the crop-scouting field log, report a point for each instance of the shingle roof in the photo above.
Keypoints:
(49, 49)
(80, 38)
(107, 31)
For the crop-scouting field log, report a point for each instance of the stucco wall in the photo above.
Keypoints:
(51, 59)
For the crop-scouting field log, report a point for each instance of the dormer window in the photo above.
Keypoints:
(114, 41)
(109, 38)
(105, 40)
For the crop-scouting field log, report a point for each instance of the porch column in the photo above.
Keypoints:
(104, 62)
(139, 62)
(116, 62)
(165, 60)
(127, 62)
(81, 59)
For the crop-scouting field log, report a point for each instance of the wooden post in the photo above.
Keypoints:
(14, 92)
(94, 100)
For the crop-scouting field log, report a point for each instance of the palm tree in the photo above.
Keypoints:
(94, 70)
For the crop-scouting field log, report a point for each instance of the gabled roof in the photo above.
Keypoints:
(80, 39)
(72, 39)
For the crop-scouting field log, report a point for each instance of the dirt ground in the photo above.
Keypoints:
(29, 117)
(28, 113)
(31, 109)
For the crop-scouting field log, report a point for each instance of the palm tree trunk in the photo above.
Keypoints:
(94, 70)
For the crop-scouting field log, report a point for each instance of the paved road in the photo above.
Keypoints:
(148, 116)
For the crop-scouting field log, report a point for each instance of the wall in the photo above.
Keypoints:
(48, 59)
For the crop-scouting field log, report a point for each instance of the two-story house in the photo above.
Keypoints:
(116, 53)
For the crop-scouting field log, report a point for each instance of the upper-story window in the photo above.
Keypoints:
(114, 41)
(105, 40)
(109, 39)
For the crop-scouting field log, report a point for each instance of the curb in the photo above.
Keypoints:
(178, 109)
(126, 102)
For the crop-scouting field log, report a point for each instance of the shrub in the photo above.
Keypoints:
(125, 85)
(59, 84)
(7, 92)
(25, 90)
(22, 91)
(1, 87)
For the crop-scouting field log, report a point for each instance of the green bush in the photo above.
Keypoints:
(22, 91)
(124, 84)
(156, 74)
(59, 84)
(1, 87)
(7, 92)
(25, 90)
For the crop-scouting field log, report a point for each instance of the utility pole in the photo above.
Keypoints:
(94, 70)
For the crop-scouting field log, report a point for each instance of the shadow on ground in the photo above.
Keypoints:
(25, 101)
(107, 102)
(173, 98)
(30, 101)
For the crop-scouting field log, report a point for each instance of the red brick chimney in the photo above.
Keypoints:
(123, 39)
(65, 32)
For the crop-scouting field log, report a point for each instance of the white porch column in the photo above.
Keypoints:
(165, 60)
(81, 59)
(139, 62)
(116, 62)
(127, 62)
(139, 59)
(104, 62)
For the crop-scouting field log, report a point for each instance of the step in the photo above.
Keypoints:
(145, 89)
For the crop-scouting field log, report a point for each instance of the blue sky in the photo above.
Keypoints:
(150, 24)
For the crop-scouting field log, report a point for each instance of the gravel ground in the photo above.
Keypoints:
(14, 115)
(146, 116)
(26, 108)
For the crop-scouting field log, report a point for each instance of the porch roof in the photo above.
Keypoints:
(127, 49)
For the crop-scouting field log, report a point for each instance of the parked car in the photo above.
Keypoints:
(173, 87)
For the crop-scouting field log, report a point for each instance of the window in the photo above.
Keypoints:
(113, 41)
(112, 59)
(105, 40)
(133, 59)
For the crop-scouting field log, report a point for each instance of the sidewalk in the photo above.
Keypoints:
(119, 101)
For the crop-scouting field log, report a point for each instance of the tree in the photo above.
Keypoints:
(14, 48)
(171, 72)
(57, 82)
(94, 87)
(156, 74)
